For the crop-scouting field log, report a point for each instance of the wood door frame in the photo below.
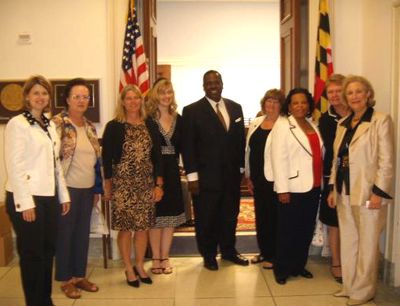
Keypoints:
(149, 13)
(294, 43)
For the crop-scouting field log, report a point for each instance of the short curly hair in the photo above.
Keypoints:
(70, 84)
(360, 79)
(294, 91)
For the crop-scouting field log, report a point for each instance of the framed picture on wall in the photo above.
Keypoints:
(93, 111)
(12, 101)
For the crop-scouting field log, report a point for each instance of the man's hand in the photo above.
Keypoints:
(193, 187)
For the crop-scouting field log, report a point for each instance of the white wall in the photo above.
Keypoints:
(70, 38)
(362, 42)
(394, 248)
(241, 40)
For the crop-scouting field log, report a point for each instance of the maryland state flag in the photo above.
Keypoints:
(323, 60)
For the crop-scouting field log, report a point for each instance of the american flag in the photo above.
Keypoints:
(134, 68)
(323, 61)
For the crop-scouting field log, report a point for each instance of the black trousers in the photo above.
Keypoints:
(36, 247)
(215, 221)
(296, 223)
(266, 215)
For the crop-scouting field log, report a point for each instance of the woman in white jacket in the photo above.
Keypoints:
(258, 146)
(296, 157)
(35, 187)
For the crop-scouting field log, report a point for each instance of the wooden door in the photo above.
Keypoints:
(294, 43)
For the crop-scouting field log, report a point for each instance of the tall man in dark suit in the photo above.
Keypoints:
(213, 155)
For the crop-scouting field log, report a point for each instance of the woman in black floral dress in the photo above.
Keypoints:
(132, 171)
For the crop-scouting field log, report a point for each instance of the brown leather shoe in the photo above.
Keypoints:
(85, 285)
(70, 291)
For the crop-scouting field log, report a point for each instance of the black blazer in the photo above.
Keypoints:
(327, 128)
(113, 139)
(217, 155)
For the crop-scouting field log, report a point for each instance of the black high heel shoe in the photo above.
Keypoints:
(145, 280)
(134, 283)
(339, 279)
(306, 274)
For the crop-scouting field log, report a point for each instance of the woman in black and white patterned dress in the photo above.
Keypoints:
(161, 106)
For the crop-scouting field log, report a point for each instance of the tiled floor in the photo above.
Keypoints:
(191, 284)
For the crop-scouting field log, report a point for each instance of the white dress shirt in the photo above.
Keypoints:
(222, 109)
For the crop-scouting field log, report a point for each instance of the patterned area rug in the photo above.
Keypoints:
(245, 220)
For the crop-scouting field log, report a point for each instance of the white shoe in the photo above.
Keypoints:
(353, 302)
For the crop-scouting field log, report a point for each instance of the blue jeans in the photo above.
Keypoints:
(73, 235)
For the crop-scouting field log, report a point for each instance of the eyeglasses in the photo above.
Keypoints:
(78, 97)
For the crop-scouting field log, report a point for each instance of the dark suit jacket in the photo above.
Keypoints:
(215, 154)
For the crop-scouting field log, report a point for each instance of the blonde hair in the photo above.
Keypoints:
(37, 80)
(336, 79)
(153, 98)
(368, 87)
(120, 112)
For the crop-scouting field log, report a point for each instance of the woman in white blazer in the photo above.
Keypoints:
(258, 146)
(362, 173)
(296, 158)
(35, 187)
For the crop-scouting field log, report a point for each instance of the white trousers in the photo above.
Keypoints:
(360, 230)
